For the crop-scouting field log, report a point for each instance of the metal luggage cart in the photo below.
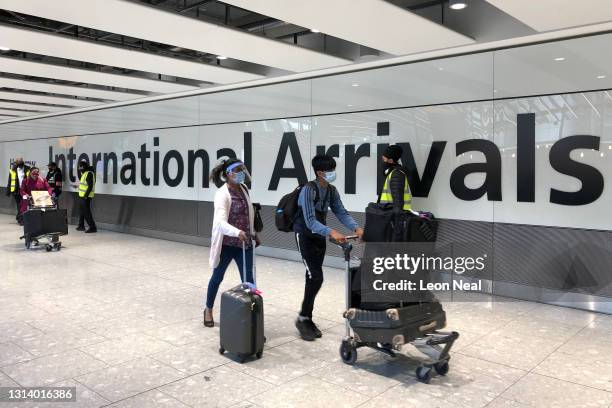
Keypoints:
(433, 343)
(44, 225)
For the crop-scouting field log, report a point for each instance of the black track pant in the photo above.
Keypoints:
(85, 213)
(18, 203)
(312, 250)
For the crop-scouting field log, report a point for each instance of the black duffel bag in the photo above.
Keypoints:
(384, 223)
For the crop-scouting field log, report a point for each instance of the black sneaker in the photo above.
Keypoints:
(305, 329)
(91, 231)
(315, 329)
(80, 228)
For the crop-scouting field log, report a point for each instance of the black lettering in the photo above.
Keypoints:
(173, 182)
(491, 167)
(95, 158)
(420, 186)
(226, 152)
(71, 158)
(156, 162)
(333, 151)
(131, 167)
(143, 155)
(591, 179)
(248, 154)
(107, 158)
(352, 157)
(525, 157)
(288, 143)
(191, 158)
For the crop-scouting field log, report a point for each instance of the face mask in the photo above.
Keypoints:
(19, 164)
(330, 176)
(34, 177)
(239, 177)
(388, 165)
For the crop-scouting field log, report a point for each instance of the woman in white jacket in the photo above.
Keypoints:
(232, 228)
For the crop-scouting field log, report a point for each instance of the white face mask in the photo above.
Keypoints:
(330, 176)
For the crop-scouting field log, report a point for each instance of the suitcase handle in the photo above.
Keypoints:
(244, 269)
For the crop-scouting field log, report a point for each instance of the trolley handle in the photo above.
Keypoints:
(346, 246)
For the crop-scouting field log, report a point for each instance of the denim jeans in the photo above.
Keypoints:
(228, 253)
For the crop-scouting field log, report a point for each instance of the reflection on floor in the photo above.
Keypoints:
(119, 317)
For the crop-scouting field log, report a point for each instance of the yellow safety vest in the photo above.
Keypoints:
(13, 174)
(83, 186)
(387, 198)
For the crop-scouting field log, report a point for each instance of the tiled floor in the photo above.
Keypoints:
(118, 316)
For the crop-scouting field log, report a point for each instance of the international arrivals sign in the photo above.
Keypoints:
(464, 161)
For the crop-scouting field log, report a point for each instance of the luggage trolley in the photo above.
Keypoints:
(388, 330)
(44, 223)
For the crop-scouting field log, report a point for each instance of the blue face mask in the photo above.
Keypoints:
(330, 176)
(239, 177)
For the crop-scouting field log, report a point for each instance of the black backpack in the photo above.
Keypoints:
(287, 208)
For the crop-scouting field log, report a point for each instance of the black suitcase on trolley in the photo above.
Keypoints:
(37, 222)
(241, 323)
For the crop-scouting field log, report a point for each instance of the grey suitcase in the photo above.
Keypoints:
(241, 323)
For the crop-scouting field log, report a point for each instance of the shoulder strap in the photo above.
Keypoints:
(314, 185)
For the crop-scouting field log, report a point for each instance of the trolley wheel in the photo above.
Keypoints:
(348, 353)
(259, 354)
(57, 246)
(424, 374)
(35, 242)
(441, 367)
(221, 350)
(48, 248)
(28, 243)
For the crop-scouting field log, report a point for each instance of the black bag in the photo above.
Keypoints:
(386, 224)
(241, 325)
(257, 220)
(37, 222)
(287, 208)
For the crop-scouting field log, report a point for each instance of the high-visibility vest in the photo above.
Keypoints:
(386, 197)
(83, 186)
(14, 183)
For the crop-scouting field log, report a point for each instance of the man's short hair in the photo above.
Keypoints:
(323, 162)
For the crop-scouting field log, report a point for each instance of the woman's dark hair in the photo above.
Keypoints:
(32, 169)
(218, 175)
(323, 162)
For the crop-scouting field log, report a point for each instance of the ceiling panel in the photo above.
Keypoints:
(140, 21)
(67, 90)
(29, 106)
(61, 46)
(16, 113)
(374, 23)
(56, 100)
(546, 15)
(43, 70)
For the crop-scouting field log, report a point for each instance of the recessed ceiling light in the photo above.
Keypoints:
(601, 76)
(355, 85)
(349, 105)
(457, 4)
(4, 48)
(314, 30)
(560, 59)
(221, 57)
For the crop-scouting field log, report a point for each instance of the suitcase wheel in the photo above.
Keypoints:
(48, 248)
(348, 353)
(441, 367)
(221, 350)
(259, 354)
(424, 374)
